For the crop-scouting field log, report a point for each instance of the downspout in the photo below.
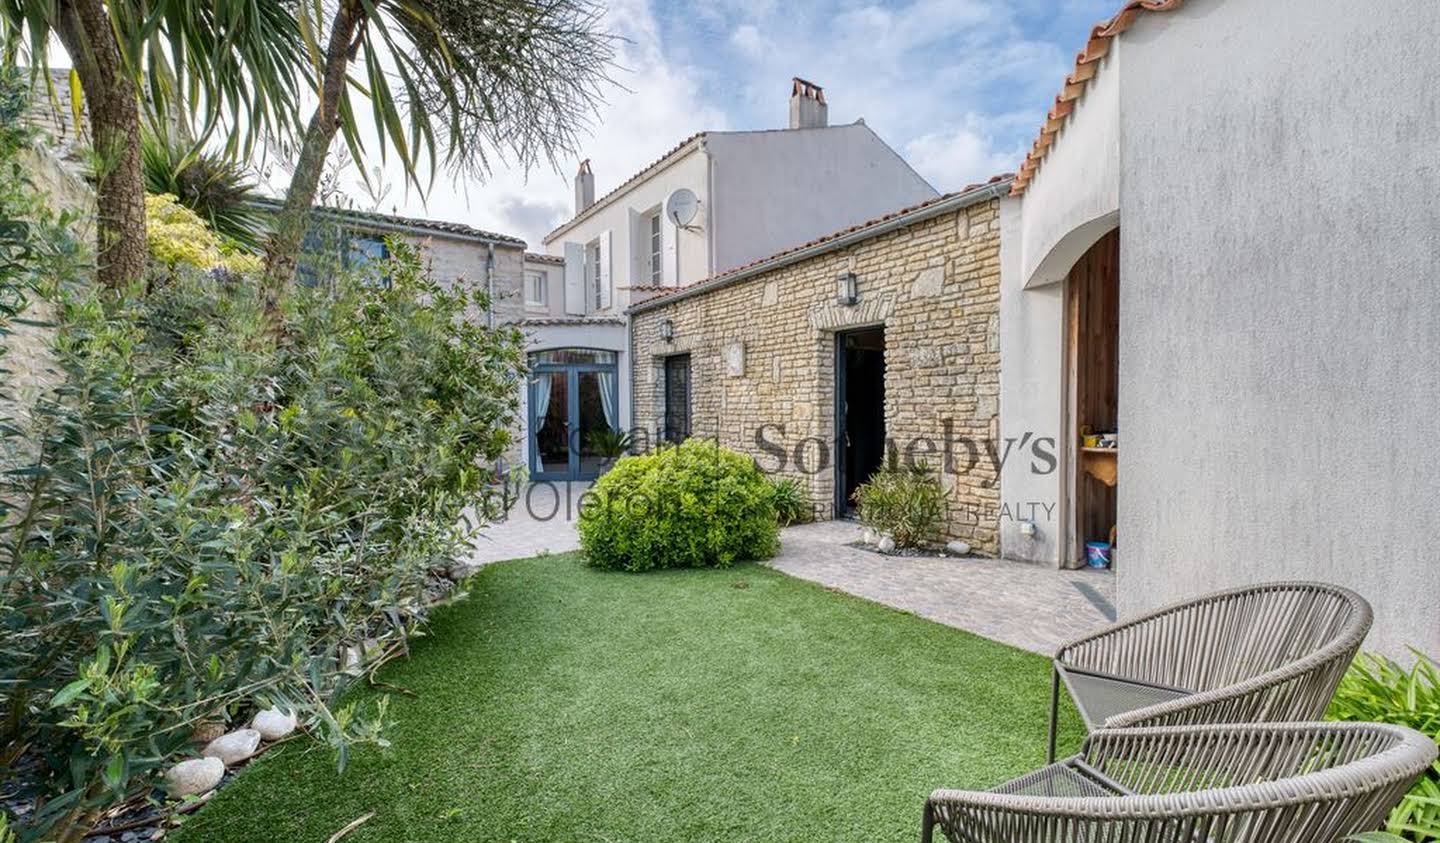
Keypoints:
(709, 210)
(490, 286)
(628, 373)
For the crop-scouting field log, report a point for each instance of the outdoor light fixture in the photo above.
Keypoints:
(667, 331)
(849, 287)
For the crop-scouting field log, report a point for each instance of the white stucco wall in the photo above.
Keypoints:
(1280, 304)
(1074, 198)
(778, 189)
(1031, 362)
(622, 216)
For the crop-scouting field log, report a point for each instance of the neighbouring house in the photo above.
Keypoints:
(453, 253)
(1225, 249)
(823, 360)
(736, 197)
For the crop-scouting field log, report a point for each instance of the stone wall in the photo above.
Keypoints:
(763, 359)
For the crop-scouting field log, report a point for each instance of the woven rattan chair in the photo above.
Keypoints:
(1258, 783)
(1265, 653)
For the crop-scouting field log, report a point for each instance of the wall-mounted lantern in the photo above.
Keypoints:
(667, 331)
(848, 287)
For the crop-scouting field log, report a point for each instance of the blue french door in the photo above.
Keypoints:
(574, 414)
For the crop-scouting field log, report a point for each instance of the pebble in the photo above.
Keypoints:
(885, 545)
(233, 748)
(273, 724)
(958, 547)
(193, 777)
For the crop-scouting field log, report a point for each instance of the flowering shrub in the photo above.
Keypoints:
(177, 238)
(690, 506)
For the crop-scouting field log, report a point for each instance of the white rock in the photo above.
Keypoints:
(234, 747)
(868, 536)
(193, 777)
(886, 544)
(958, 547)
(273, 724)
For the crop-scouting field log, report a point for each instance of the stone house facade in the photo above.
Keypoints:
(764, 345)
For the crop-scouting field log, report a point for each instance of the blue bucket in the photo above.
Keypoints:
(1097, 554)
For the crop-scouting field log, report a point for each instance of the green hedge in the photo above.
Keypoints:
(205, 516)
(697, 505)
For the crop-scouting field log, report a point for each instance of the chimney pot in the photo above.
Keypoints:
(807, 105)
(584, 188)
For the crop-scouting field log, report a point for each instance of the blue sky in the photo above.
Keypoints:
(956, 86)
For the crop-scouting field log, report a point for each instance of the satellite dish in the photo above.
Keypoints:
(682, 206)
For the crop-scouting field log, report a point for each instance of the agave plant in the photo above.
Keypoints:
(215, 187)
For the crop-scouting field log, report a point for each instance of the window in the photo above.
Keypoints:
(365, 248)
(656, 250)
(367, 255)
(537, 289)
(592, 272)
(574, 355)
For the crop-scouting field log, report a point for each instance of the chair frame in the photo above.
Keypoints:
(1307, 807)
(1299, 690)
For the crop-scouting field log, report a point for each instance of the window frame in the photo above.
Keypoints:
(592, 274)
(656, 235)
(537, 279)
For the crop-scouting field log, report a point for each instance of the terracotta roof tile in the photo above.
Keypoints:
(666, 292)
(419, 223)
(538, 258)
(1086, 63)
(547, 321)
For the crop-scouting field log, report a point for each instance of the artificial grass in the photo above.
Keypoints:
(561, 703)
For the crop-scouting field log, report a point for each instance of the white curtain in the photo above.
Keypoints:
(607, 397)
(542, 400)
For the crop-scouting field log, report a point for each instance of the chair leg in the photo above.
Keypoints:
(927, 826)
(1054, 713)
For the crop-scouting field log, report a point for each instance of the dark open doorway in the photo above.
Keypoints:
(859, 411)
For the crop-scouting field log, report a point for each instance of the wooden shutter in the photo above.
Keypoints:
(606, 288)
(574, 279)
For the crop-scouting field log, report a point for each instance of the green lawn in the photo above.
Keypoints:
(561, 703)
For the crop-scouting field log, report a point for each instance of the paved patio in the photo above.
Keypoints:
(1034, 607)
(541, 519)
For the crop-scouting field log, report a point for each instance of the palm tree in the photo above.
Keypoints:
(224, 62)
(449, 83)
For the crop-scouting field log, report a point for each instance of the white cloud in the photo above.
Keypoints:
(747, 39)
(963, 155)
(953, 84)
(659, 105)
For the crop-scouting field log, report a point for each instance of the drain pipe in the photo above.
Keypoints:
(490, 285)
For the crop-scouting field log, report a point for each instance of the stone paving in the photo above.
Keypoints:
(1034, 607)
(541, 519)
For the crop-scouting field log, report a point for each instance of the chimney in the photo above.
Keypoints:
(807, 105)
(584, 188)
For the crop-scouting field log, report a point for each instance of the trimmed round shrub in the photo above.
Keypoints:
(696, 505)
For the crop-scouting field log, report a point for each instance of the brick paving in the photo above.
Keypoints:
(1030, 606)
(1033, 607)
